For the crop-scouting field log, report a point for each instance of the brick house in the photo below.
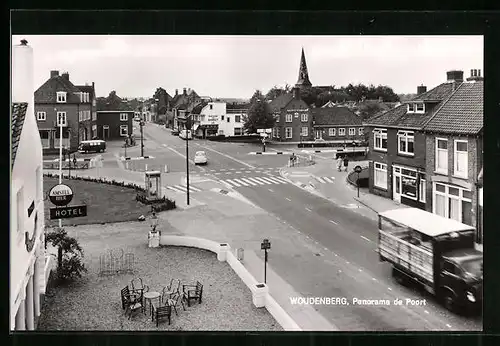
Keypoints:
(87, 114)
(454, 147)
(58, 98)
(114, 118)
(397, 145)
(292, 118)
(337, 125)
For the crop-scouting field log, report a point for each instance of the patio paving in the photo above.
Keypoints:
(93, 302)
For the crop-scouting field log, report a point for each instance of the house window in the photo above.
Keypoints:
(460, 159)
(123, 116)
(211, 106)
(288, 118)
(61, 96)
(277, 117)
(380, 175)
(277, 132)
(222, 117)
(44, 137)
(453, 202)
(341, 132)
(94, 131)
(39, 183)
(237, 118)
(288, 132)
(419, 108)
(406, 143)
(123, 130)
(352, 131)
(41, 116)
(228, 119)
(380, 139)
(421, 191)
(331, 131)
(411, 108)
(61, 119)
(303, 117)
(304, 131)
(360, 131)
(409, 183)
(238, 131)
(20, 211)
(441, 155)
(94, 116)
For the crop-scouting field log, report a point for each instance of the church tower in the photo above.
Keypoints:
(303, 81)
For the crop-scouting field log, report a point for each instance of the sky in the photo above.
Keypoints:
(236, 66)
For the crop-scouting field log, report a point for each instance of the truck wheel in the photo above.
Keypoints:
(399, 277)
(449, 301)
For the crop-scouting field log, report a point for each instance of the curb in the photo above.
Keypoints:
(365, 204)
(225, 255)
(135, 158)
(270, 153)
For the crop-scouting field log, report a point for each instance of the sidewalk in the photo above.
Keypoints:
(339, 191)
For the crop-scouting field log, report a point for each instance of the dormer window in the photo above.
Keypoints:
(416, 107)
(61, 97)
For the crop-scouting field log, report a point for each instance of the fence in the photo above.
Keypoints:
(116, 261)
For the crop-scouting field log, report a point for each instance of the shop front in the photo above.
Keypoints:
(408, 186)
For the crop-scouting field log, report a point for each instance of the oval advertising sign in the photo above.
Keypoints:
(61, 195)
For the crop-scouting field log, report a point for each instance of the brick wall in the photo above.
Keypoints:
(51, 116)
(300, 107)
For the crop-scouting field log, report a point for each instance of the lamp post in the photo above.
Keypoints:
(59, 120)
(265, 245)
(358, 170)
(187, 125)
(141, 124)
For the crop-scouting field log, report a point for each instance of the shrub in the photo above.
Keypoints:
(160, 204)
(101, 181)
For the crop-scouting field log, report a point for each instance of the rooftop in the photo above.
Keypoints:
(18, 116)
(335, 116)
(462, 113)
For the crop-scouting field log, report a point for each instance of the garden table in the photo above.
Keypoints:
(149, 296)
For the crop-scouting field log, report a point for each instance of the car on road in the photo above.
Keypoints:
(200, 158)
(95, 146)
(185, 134)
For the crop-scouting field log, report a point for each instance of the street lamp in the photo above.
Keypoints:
(358, 170)
(153, 220)
(141, 124)
(187, 126)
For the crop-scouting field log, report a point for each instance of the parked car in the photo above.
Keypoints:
(95, 146)
(185, 134)
(200, 158)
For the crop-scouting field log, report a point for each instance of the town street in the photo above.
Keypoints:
(349, 239)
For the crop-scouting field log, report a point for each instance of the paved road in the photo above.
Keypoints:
(349, 239)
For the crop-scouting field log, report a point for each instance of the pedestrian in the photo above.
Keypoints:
(293, 158)
(339, 162)
(346, 162)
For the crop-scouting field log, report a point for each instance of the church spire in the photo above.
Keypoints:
(303, 80)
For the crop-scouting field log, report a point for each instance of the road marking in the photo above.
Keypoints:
(426, 311)
(335, 254)
(340, 271)
(365, 238)
(257, 182)
(390, 289)
(333, 222)
(270, 190)
(320, 180)
(229, 157)
(233, 182)
(241, 182)
(328, 179)
(262, 180)
(212, 170)
(374, 279)
(276, 180)
(360, 270)
(347, 262)
(229, 172)
(183, 156)
(164, 144)
(222, 169)
(308, 209)
(249, 181)
(238, 172)
(270, 179)
(281, 179)
(288, 199)
(447, 325)
(233, 169)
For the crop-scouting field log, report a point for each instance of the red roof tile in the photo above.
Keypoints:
(18, 115)
(335, 116)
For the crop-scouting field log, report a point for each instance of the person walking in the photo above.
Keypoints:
(339, 163)
(346, 162)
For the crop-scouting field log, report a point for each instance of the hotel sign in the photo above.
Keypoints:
(68, 212)
(61, 195)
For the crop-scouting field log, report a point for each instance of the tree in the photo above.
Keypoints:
(259, 115)
(69, 255)
(276, 91)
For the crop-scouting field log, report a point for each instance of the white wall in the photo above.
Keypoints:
(228, 127)
(28, 158)
(218, 109)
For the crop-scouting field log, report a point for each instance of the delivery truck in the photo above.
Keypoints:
(435, 253)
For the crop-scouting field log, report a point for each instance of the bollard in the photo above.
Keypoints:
(126, 164)
(166, 169)
(240, 254)
(146, 167)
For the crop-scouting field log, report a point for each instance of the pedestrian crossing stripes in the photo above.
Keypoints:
(183, 188)
(254, 181)
(324, 180)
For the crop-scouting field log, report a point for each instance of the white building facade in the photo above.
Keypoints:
(216, 119)
(28, 265)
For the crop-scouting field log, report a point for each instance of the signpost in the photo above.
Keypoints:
(358, 170)
(60, 195)
(68, 212)
(265, 245)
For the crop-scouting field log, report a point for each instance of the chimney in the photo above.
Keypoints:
(22, 75)
(421, 89)
(475, 75)
(456, 76)
(93, 86)
(184, 92)
(54, 73)
(176, 92)
(65, 75)
(296, 93)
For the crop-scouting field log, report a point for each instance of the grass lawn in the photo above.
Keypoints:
(105, 203)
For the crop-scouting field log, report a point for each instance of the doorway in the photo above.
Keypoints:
(396, 186)
(105, 132)
(319, 134)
